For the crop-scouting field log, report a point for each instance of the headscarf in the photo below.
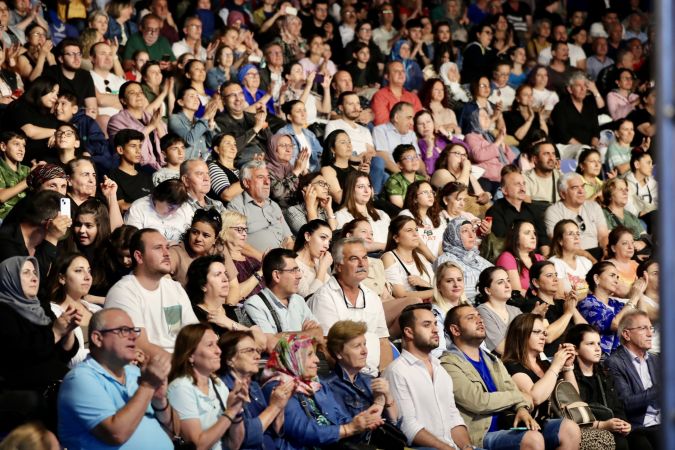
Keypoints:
(455, 88)
(287, 362)
(11, 292)
(277, 168)
(396, 53)
(244, 70)
(43, 173)
(454, 247)
(475, 127)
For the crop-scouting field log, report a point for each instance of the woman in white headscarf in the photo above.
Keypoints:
(449, 73)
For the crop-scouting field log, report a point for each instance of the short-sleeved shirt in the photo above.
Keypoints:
(9, 178)
(81, 85)
(359, 135)
(162, 312)
(156, 51)
(601, 316)
(142, 214)
(267, 227)
(397, 184)
(190, 403)
(542, 189)
(90, 394)
(329, 306)
(131, 187)
(386, 138)
(508, 262)
(495, 327)
(429, 234)
(590, 212)
(617, 155)
(290, 317)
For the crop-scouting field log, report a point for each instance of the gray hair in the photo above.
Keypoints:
(98, 320)
(576, 76)
(565, 179)
(627, 322)
(338, 247)
(185, 166)
(246, 172)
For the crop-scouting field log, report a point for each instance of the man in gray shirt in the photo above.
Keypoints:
(267, 228)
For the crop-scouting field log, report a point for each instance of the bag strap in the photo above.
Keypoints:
(275, 316)
(220, 399)
(407, 272)
(602, 390)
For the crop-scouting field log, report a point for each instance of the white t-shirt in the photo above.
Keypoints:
(142, 214)
(380, 227)
(113, 85)
(547, 99)
(83, 351)
(328, 305)
(360, 136)
(576, 54)
(430, 235)
(162, 312)
(572, 277)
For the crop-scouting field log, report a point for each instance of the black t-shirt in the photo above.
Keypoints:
(640, 116)
(131, 187)
(81, 85)
(541, 411)
(514, 120)
(21, 113)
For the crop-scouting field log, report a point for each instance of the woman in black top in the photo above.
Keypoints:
(335, 164)
(523, 121)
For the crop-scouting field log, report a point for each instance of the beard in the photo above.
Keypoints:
(425, 344)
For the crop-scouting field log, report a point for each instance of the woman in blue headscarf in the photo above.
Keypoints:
(413, 74)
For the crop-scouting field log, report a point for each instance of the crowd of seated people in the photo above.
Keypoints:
(305, 224)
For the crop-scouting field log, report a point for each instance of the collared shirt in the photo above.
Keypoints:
(267, 227)
(387, 137)
(291, 317)
(142, 214)
(90, 394)
(384, 100)
(329, 304)
(503, 214)
(652, 415)
(9, 178)
(209, 204)
(426, 402)
(359, 135)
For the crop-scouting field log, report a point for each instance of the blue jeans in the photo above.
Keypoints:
(378, 175)
(510, 439)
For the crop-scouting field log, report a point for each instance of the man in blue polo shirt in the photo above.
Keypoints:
(106, 402)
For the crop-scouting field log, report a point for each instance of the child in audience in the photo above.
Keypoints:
(408, 161)
(173, 148)
(12, 173)
(67, 144)
(131, 183)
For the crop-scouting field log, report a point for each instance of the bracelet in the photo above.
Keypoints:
(161, 409)
(228, 417)
(331, 217)
(567, 369)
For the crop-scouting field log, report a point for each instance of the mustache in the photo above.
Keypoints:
(362, 270)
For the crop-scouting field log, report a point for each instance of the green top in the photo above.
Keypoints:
(156, 50)
(397, 184)
(9, 178)
(630, 221)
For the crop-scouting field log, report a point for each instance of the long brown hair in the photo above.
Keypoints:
(187, 342)
(411, 204)
(518, 336)
(558, 235)
(350, 203)
(395, 228)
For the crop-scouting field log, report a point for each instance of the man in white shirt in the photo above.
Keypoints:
(156, 304)
(422, 388)
(576, 54)
(344, 297)
(192, 42)
(349, 106)
(107, 84)
(501, 91)
(540, 182)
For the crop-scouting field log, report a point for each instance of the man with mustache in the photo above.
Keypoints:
(513, 207)
(345, 297)
(156, 304)
(484, 389)
(422, 389)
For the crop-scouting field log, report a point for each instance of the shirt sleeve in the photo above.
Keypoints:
(181, 395)
(507, 261)
(323, 308)
(121, 297)
(259, 314)
(410, 426)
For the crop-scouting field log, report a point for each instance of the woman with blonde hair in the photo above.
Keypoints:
(249, 269)
(33, 436)
(448, 292)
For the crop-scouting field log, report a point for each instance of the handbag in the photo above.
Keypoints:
(387, 436)
(566, 403)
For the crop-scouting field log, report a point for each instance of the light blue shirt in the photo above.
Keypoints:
(291, 317)
(386, 137)
(190, 403)
(90, 394)
(652, 415)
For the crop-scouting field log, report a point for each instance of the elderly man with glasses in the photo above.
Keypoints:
(107, 400)
(345, 297)
(149, 39)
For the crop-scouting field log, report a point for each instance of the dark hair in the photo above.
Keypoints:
(348, 201)
(40, 87)
(196, 277)
(450, 188)
(275, 260)
(531, 77)
(136, 243)
(99, 210)
(419, 114)
(126, 135)
(441, 49)
(328, 155)
(400, 150)
(310, 227)
(535, 273)
(583, 156)
(120, 239)
(636, 156)
(8, 135)
(125, 86)
(597, 269)
(343, 95)
(425, 94)
(304, 181)
(146, 67)
(287, 107)
(228, 346)
(614, 237)
(208, 216)
(644, 266)
(407, 317)
(442, 161)
(395, 227)
(42, 206)
(167, 140)
(187, 341)
(187, 68)
(397, 108)
(350, 226)
(171, 191)
(518, 336)
(218, 138)
(575, 334)
(68, 95)
(484, 283)
(57, 291)
(556, 240)
(452, 318)
(72, 127)
(475, 83)
(411, 204)
(67, 42)
(512, 243)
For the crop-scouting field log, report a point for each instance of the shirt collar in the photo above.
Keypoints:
(635, 357)
(414, 360)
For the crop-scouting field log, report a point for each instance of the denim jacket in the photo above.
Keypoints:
(315, 146)
(197, 135)
(300, 430)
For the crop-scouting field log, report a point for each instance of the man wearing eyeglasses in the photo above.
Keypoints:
(278, 308)
(107, 400)
(149, 39)
(484, 389)
(71, 77)
(345, 297)
(107, 84)
(636, 372)
(586, 213)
